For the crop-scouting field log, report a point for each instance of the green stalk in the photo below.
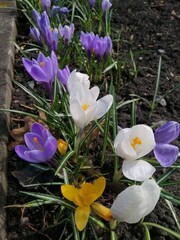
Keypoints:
(153, 105)
(149, 224)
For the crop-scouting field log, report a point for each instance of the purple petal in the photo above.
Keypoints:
(27, 64)
(20, 149)
(38, 74)
(50, 147)
(166, 154)
(36, 156)
(167, 133)
(34, 141)
(37, 128)
(41, 58)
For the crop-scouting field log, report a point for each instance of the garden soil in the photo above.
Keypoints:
(149, 30)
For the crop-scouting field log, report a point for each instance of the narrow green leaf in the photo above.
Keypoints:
(64, 160)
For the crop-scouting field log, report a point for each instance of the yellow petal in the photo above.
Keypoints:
(81, 217)
(69, 192)
(102, 211)
(98, 187)
(62, 146)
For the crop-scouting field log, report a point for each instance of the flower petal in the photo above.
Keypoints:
(167, 133)
(136, 202)
(166, 154)
(69, 191)
(81, 217)
(34, 141)
(36, 156)
(123, 148)
(103, 105)
(102, 211)
(138, 170)
(50, 147)
(20, 150)
(78, 114)
(98, 187)
(38, 74)
(146, 135)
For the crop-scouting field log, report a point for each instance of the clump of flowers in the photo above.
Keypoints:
(83, 149)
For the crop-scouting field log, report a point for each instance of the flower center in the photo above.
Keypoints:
(35, 139)
(136, 141)
(42, 64)
(85, 107)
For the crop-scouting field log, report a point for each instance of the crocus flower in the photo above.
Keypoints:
(66, 32)
(84, 198)
(91, 3)
(36, 35)
(43, 70)
(84, 106)
(40, 145)
(51, 37)
(57, 9)
(36, 16)
(46, 4)
(77, 77)
(93, 44)
(63, 75)
(135, 202)
(62, 146)
(134, 143)
(166, 153)
(106, 5)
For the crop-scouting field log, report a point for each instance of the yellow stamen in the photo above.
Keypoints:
(136, 141)
(85, 107)
(35, 139)
(42, 64)
(62, 146)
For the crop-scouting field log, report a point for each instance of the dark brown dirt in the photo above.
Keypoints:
(149, 29)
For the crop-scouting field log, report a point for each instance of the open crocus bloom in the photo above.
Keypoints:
(41, 145)
(84, 198)
(85, 107)
(135, 202)
(43, 70)
(165, 153)
(131, 144)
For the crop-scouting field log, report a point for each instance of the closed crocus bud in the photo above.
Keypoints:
(106, 5)
(66, 32)
(36, 35)
(46, 4)
(63, 75)
(62, 146)
(166, 153)
(91, 3)
(132, 144)
(40, 145)
(36, 16)
(135, 202)
(51, 37)
(44, 23)
(84, 106)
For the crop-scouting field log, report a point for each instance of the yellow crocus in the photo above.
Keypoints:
(62, 146)
(84, 199)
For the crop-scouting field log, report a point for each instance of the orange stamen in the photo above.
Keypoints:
(85, 107)
(35, 139)
(136, 141)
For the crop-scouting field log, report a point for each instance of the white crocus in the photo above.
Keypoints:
(134, 143)
(84, 106)
(77, 77)
(135, 202)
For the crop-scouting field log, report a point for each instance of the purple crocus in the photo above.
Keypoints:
(46, 4)
(40, 145)
(66, 32)
(91, 3)
(36, 35)
(100, 46)
(51, 37)
(36, 16)
(43, 70)
(106, 5)
(166, 153)
(63, 75)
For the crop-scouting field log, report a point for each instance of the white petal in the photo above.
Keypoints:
(125, 150)
(78, 114)
(138, 170)
(136, 202)
(77, 77)
(103, 105)
(94, 93)
(146, 135)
